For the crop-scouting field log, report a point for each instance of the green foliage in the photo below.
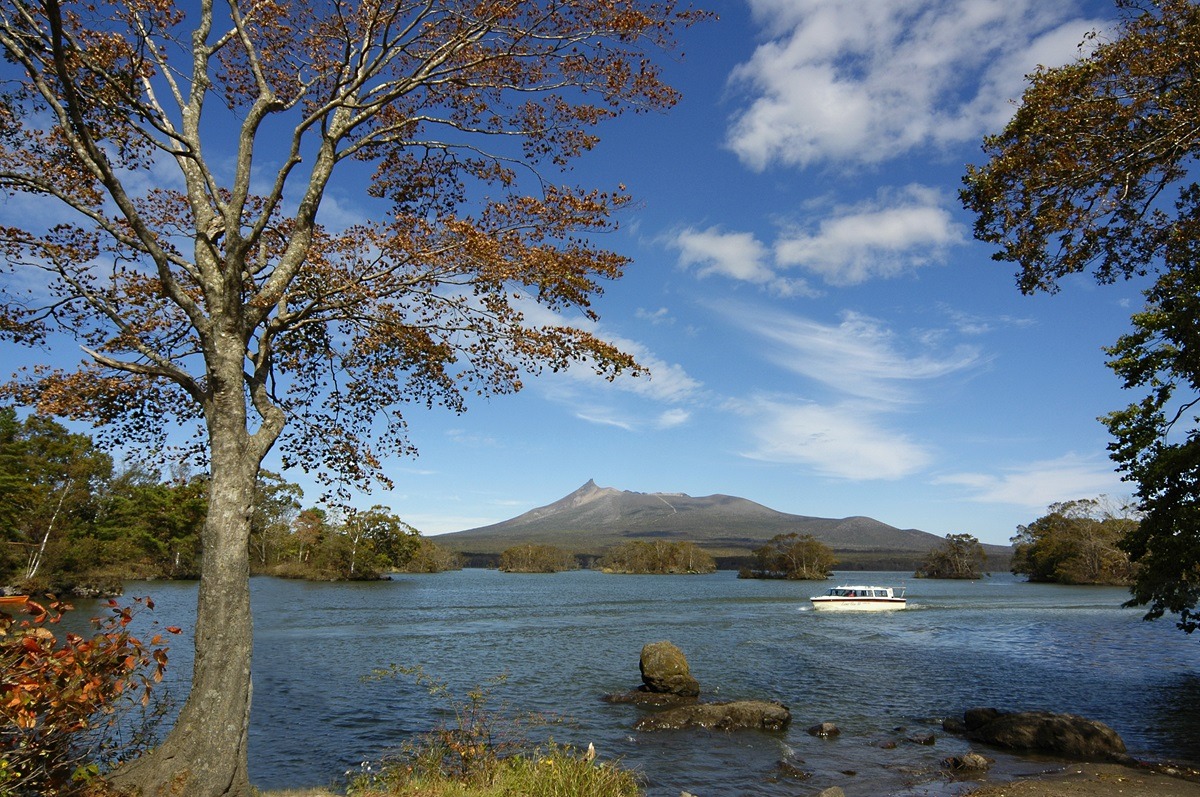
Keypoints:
(484, 753)
(276, 506)
(50, 478)
(1076, 543)
(429, 557)
(960, 556)
(1095, 172)
(65, 700)
(363, 546)
(1157, 441)
(537, 559)
(71, 525)
(638, 556)
(791, 556)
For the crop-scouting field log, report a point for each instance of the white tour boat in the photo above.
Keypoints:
(852, 597)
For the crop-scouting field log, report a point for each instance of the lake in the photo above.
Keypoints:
(564, 640)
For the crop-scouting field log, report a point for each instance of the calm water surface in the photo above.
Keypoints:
(565, 640)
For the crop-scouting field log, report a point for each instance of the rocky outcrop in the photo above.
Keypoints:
(1062, 735)
(666, 678)
(764, 715)
(667, 681)
(665, 670)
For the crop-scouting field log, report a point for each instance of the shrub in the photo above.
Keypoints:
(62, 698)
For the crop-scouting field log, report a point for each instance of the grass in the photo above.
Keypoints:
(556, 772)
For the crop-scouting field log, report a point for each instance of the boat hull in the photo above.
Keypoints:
(828, 604)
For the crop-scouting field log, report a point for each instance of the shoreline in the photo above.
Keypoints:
(1099, 780)
(1075, 779)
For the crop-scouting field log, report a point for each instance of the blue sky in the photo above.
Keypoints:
(825, 336)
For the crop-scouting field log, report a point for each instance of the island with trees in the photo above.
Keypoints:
(639, 557)
(1076, 542)
(960, 556)
(533, 558)
(791, 556)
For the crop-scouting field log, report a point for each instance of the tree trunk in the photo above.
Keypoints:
(204, 755)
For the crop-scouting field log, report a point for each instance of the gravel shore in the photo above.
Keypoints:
(1101, 780)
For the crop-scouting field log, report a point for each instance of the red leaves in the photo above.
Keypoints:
(52, 689)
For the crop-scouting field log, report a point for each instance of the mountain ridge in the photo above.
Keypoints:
(593, 518)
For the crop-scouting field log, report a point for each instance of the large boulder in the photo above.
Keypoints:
(765, 715)
(665, 671)
(1062, 735)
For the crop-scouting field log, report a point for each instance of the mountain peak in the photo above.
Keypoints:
(586, 494)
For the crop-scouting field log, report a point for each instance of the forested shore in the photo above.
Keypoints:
(77, 523)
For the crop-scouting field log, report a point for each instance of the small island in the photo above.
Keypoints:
(662, 558)
(797, 557)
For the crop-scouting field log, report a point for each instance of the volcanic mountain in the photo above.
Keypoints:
(594, 518)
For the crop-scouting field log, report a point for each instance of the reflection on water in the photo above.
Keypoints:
(564, 640)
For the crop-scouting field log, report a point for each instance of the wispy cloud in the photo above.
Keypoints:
(598, 417)
(1036, 485)
(835, 84)
(844, 441)
(859, 356)
(666, 382)
(657, 316)
(863, 376)
(673, 418)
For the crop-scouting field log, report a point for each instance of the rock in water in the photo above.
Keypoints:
(665, 670)
(1065, 735)
(969, 761)
(763, 715)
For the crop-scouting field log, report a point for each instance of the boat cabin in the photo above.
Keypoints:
(861, 592)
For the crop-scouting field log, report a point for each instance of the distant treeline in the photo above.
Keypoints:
(852, 560)
(72, 523)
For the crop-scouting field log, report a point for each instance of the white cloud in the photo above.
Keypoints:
(843, 82)
(673, 418)
(736, 255)
(881, 238)
(897, 231)
(858, 356)
(843, 441)
(1037, 485)
(660, 316)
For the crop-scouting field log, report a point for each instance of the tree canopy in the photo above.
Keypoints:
(1076, 542)
(959, 556)
(176, 160)
(537, 559)
(792, 556)
(659, 556)
(1095, 173)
